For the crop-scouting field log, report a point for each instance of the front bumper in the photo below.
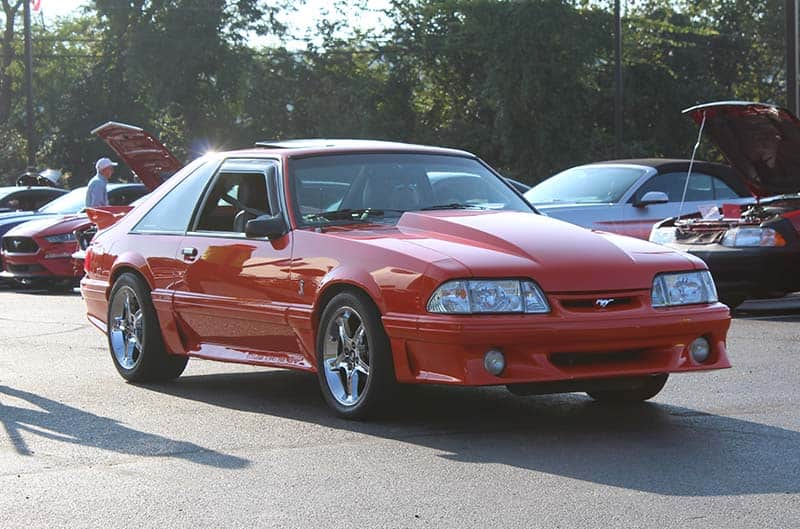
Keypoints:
(751, 272)
(556, 347)
(45, 264)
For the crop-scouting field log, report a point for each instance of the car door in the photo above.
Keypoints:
(699, 195)
(234, 293)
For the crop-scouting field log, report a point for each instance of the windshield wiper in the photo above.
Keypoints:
(359, 215)
(453, 205)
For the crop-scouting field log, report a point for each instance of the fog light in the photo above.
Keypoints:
(700, 350)
(494, 362)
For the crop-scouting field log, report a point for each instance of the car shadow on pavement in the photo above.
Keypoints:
(649, 447)
(55, 421)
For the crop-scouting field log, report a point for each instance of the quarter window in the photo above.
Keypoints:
(174, 211)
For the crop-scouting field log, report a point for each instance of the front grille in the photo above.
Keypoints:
(599, 303)
(582, 359)
(24, 269)
(20, 245)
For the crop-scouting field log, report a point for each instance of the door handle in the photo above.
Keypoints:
(189, 254)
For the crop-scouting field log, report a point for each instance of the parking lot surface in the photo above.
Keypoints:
(239, 446)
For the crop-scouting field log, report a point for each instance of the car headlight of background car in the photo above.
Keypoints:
(743, 237)
(61, 237)
(662, 235)
(474, 296)
(683, 288)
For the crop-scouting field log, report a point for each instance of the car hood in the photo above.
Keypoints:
(146, 156)
(562, 257)
(762, 142)
(54, 225)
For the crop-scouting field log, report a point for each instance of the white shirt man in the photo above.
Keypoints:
(96, 194)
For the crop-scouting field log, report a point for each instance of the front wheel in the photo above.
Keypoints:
(134, 336)
(354, 359)
(644, 388)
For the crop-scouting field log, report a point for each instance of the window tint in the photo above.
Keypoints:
(700, 187)
(585, 185)
(174, 211)
(237, 195)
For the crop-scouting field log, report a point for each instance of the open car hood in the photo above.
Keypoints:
(762, 142)
(146, 156)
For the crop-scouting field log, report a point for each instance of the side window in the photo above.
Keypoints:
(238, 194)
(174, 211)
(700, 186)
(722, 190)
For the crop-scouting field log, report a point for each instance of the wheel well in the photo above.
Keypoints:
(332, 291)
(121, 270)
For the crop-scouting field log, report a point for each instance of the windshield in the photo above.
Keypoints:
(72, 202)
(594, 184)
(381, 187)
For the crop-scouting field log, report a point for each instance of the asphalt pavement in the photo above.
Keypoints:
(239, 446)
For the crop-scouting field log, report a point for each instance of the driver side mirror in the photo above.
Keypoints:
(269, 226)
(652, 197)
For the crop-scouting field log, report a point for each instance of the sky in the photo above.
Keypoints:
(301, 21)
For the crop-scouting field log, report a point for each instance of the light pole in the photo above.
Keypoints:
(29, 87)
(791, 57)
(618, 80)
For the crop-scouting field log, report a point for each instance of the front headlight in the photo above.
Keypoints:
(743, 237)
(63, 237)
(474, 296)
(683, 288)
(662, 235)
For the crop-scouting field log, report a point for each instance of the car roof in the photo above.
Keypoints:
(320, 146)
(667, 165)
(9, 189)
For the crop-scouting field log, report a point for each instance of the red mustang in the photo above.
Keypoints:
(373, 263)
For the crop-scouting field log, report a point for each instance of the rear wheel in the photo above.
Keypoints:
(643, 388)
(354, 359)
(134, 336)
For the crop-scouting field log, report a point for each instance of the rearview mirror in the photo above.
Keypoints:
(271, 227)
(652, 197)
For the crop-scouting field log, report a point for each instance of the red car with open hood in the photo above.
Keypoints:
(753, 251)
(376, 263)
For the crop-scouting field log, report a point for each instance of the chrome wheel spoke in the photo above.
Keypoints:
(345, 356)
(362, 367)
(352, 386)
(126, 329)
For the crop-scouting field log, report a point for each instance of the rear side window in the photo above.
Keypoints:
(174, 211)
(700, 186)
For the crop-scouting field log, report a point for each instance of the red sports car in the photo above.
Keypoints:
(377, 263)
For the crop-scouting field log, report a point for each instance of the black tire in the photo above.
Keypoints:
(732, 300)
(646, 388)
(349, 391)
(134, 335)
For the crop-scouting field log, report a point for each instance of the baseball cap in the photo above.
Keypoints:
(102, 163)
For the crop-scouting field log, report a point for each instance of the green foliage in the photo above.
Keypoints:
(526, 84)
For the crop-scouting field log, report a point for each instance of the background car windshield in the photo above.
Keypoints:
(72, 202)
(592, 184)
(394, 183)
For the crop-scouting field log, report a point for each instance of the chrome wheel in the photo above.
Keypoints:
(126, 327)
(346, 356)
